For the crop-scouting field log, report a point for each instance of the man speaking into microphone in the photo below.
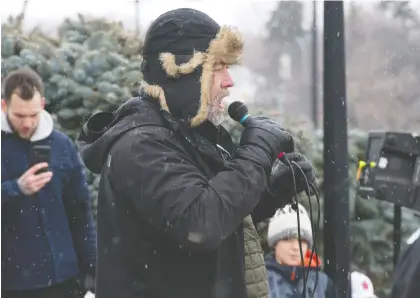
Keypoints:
(174, 192)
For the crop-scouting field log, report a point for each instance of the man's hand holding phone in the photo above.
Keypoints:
(31, 182)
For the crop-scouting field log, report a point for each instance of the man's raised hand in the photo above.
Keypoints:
(30, 182)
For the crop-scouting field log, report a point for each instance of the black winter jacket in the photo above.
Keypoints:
(406, 278)
(170, 205)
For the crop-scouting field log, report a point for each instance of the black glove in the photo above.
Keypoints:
(262, 140)
(281, 179)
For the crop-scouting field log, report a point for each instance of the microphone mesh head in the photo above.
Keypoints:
(237, 110)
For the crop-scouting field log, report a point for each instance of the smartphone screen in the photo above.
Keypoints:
(40, 153)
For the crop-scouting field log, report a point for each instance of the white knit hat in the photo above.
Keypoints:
(361, 286)
(284, 225)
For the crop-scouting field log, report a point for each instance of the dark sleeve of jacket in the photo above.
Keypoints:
(9, 190)
(78, 208)
(406, 277)
(266, 207)
(150, 168)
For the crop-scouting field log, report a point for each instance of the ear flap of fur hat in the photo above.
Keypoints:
(284, 225)
(180, 52)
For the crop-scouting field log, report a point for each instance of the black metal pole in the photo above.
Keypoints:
(314, 67)
(336, 177)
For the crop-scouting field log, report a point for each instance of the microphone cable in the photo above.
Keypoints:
(239, 112)
(295, 206)
(315, 227)
(310, 187)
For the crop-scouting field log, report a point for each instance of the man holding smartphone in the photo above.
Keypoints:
(48, 233)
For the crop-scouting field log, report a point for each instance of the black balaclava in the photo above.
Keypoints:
(180, 51)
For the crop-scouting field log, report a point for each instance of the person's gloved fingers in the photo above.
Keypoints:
(307, 169)
(300, 159)
(269, 120)
(303, 163)
(297, 160)
(295, 156)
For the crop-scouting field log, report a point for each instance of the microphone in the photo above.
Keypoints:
(239, 112)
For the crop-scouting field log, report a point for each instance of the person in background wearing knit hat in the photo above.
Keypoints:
(176, 198)
(284, 264)
(361, 286)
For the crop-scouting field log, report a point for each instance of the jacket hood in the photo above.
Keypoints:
(102, 130)
(293, 273)
(180, 51)
(44, 129)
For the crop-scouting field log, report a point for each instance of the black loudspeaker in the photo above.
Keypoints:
(391, 171)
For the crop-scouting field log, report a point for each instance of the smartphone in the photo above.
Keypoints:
(38, 154)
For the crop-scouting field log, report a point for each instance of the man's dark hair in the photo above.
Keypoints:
(24, 82)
